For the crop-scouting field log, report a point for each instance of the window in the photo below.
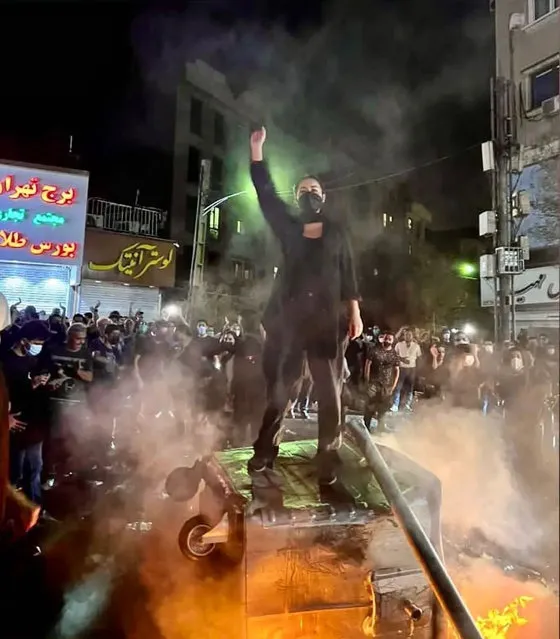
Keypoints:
(214, 223)
(219, 129)
(543, 84)
(540, 8)
(410, 249)
(239, 228)
(385, 219)
(196, 116)
(409, 224)
(217, 174)
(192, 204)
(242, 270)
(193, 165)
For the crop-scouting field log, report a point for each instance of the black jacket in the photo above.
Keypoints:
(334, 265)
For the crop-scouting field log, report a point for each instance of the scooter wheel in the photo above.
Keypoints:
(190, 539)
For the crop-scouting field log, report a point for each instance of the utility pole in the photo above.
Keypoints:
(503, 236)
(198, 259)
(508, 258)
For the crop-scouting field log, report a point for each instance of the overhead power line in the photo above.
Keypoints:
(411, 169)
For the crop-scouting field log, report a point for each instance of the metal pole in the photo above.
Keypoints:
(444, 589)
(495, 205)
(504, 227)
(512, 144)
(199, 237)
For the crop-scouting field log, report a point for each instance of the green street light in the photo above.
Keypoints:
(466, 270)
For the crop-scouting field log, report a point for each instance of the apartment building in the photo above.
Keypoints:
(528, 54)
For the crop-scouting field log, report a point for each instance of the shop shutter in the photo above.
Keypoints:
(45, 286)
(119, 297)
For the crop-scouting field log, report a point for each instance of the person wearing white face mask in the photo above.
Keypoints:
(28, 407)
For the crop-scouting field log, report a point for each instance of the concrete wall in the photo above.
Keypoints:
(532, 45)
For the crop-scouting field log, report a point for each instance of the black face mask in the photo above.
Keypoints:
(310, 204)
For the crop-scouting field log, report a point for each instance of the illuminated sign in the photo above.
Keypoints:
(136, 260)
(42, 214)
(49, 193)
(19, 215)
(15, 240)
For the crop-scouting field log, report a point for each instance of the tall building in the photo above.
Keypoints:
(528, 53)
(527, 57)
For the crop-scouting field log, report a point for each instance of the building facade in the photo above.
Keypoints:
(42, 225)
(528, 55)
(126, 266)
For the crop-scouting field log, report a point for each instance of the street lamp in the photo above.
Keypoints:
(466, 270)
(208, 208)
(469, 329)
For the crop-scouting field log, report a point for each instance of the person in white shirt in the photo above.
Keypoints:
(409, 352)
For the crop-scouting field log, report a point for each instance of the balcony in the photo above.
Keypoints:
(121, 218)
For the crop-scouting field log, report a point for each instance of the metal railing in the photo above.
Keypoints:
(122, 218)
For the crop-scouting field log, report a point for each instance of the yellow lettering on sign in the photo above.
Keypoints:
(136, 260)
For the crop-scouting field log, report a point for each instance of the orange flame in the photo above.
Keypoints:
(497, 623)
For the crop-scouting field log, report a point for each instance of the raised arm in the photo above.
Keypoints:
(274, 209)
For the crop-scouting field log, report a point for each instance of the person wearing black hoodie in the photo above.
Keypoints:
(313, 310)
(29, 403)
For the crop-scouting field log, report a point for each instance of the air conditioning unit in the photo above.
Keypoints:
(551, 106)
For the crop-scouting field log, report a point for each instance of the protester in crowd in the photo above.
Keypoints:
(17, 514)
(28, 399)
(409, 352)
(248, 389)
(382, 372)
(302, 400)
(153, 350)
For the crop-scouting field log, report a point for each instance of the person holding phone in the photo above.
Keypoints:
(26, 384)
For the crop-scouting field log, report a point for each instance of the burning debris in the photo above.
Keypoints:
(498, 623)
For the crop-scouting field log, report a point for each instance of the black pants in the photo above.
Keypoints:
(303, 399)
(378, 403)
(283, 366)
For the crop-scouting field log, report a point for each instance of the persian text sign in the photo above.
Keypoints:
(540, 285)
(42, 214)
(133, 259)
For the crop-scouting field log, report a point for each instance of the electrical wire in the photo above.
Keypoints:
(411, 169)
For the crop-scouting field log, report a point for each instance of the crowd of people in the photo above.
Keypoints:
(62, 371)
(53, 367)
(394, 369)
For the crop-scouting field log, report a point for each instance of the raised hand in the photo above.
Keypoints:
(257, 141)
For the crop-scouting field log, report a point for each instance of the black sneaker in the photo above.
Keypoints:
(327, 463)
(327, 477)
(257, 464)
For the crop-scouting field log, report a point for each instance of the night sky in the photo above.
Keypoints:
(409, 78)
